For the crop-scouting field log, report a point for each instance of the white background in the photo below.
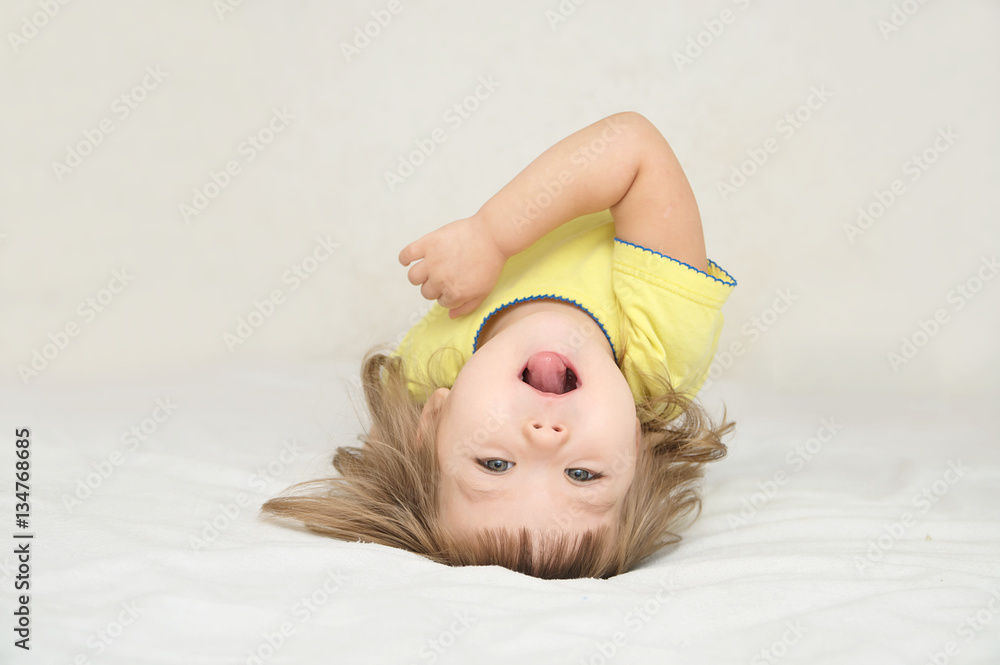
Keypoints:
(839, 510)
(356, 114)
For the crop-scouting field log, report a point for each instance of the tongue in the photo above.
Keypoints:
(547, 373)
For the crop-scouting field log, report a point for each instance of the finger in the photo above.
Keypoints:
(418, 273)
(467, 308)
(430, 291)
(450, 295)
(411, 253)
(455, 313)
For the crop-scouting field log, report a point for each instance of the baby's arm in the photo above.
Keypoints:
(621, 162)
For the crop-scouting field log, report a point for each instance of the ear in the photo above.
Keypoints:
(638, 436)
(432, 410)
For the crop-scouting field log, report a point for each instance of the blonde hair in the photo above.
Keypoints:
(387, 491)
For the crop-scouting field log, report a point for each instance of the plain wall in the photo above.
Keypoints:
(887, 94)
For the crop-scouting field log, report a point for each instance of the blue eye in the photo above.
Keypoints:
(583, 475)
(500, 466)
(495, 465)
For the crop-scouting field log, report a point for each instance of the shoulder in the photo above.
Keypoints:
(638, 271)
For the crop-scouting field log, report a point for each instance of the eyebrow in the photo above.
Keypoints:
(599, 507)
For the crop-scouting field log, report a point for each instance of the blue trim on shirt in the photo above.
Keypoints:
(731, 282)
(475, 341)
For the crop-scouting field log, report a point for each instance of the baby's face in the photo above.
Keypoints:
(514, 455)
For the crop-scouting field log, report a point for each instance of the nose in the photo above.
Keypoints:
(542, 433)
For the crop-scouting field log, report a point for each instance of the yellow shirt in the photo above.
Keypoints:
(668, 312)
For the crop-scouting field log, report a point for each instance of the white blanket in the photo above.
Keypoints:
(839, 530)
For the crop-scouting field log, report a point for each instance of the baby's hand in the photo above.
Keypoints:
(460, 265)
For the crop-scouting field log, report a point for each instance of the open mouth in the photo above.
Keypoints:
(549, 372)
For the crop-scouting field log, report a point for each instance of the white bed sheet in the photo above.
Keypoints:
(839, 561)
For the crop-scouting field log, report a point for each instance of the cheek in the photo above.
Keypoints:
(457, 450)
(448, 461)
(614, 417)
(623, 467)
(613, 392)
(482, 408)
(453, 515)
(444, 508)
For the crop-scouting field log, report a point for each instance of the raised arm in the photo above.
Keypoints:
(621, 162)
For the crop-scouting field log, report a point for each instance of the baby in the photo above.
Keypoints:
(541, 416)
